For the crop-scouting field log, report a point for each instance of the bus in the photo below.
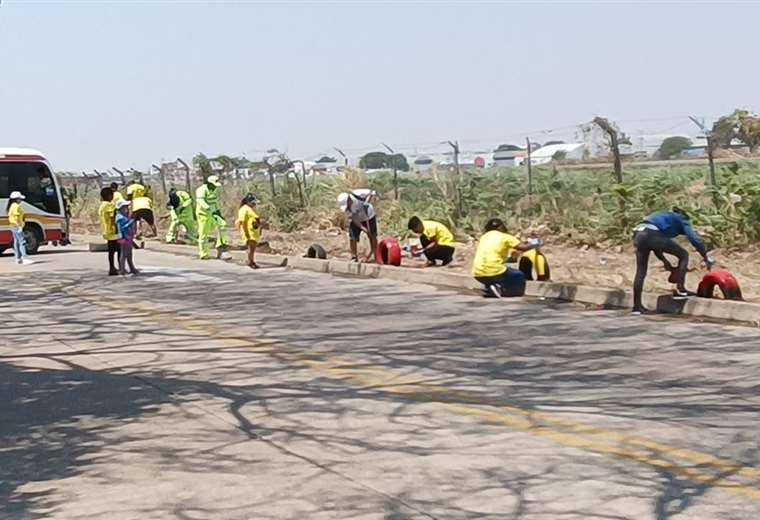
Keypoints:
(28, 171)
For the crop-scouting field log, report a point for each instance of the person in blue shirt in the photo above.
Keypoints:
(655, 234)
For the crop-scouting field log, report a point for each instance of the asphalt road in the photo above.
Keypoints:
(207, 390)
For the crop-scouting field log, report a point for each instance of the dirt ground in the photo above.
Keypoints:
(595, 266)
(605, 267)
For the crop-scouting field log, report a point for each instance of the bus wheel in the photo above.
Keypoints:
(33, 238)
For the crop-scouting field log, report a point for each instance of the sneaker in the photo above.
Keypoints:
(253, 265)
(354, 259)
(638, 311)
(113, 272)
(447, 261)
(680, 295)
(19, 261)
(27, 261)
(224, 255)
(431, 263)
(495, 290)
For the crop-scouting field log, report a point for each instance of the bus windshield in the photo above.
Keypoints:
(34, 180)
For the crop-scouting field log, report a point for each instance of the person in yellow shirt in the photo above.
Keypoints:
(17, 220)
(249, 225)
(117, 196)
(489, 267)
(436, 240)
(107, 215)
(142, 205)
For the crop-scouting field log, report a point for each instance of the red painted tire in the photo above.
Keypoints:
(389, 252)
(723, 279)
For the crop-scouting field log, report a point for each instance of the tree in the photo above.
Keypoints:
(327, 159)
(740, 124)
(616, 138)
(559, 155)
(381, 160)
(203, 165)
(673, 146)
(549, 143)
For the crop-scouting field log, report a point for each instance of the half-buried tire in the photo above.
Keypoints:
(388, 252)
(316, 251)
(723, 279)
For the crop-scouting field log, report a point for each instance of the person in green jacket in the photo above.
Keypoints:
(210, 218)
(180, 206)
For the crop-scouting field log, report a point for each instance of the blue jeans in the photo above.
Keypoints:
(19, 243)
(510, 283)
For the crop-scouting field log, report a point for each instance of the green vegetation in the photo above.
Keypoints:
(573, 205)
(379, 160)
(673, 146)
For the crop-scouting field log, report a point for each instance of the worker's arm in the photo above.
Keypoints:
(527, 245)
(366, 194)
(694, 239)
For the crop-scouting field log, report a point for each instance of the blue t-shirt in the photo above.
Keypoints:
(672, 224)
(123, 223)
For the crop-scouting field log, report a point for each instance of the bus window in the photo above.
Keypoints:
(34, 180)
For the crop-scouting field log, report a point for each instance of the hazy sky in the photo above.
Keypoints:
(96, 84)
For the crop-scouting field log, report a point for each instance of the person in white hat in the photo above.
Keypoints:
(358, 208)
(17, 221)
(125, 228)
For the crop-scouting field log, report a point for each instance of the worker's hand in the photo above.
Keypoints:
(218, 213)
(709, 262)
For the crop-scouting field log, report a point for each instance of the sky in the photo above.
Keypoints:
(108, 83)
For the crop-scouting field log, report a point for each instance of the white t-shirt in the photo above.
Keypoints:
(360, 211)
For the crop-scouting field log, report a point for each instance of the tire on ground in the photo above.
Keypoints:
(388, 252)
(33, 237)
(316, 251)
(728, 285)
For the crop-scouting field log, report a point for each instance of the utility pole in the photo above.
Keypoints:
(530, 169)
(708, 135)
(345, 158)
(161, 177)
(458, 182)
(395, 170)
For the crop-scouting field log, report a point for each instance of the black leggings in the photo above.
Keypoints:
(647, 241)
(443, 253)
(113, 250)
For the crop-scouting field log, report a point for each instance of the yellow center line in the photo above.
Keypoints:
(549, 426)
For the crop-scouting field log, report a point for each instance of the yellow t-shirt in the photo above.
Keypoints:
(141, 203)
(135, 190)
(493, 249)
(16, 216)
(438, 232)
(107, 214)
(246, 217)
(117, 196)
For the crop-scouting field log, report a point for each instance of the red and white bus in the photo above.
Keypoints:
(27, 171)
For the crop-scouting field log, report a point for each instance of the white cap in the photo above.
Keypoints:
(343, 201)
(214, 179)
(121, 203)
(16, 195)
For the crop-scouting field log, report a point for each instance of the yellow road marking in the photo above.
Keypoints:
(562, 431)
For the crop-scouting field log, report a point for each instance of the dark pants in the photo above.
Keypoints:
(113, 251)
(510, 283)
(651, 241)
(443, 253)
(125, 257)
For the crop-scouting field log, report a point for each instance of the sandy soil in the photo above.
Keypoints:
(596, 266)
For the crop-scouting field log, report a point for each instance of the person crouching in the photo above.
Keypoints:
(489, 267)
(436, 240)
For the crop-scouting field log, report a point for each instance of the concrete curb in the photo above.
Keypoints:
(603, 297)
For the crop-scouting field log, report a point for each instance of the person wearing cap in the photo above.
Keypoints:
(489, 267)
(436, 240)
(210, 218)
(142, 205)
(180, 206)
(249, 225)
(125, 232)
(17, 220)
(655, 234)
(358, 208)
(107, 215)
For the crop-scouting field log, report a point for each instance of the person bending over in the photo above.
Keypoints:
(655, 234)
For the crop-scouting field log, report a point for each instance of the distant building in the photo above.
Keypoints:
(571, 152)
(422, 163)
